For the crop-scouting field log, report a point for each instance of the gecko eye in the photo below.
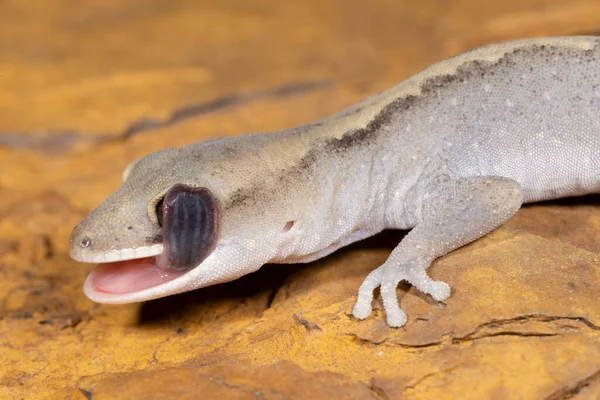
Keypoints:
(189, 218)
(159, 211)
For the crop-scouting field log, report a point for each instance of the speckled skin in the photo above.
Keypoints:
(452, 152)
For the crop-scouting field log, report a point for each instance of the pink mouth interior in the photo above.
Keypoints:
(130, 276)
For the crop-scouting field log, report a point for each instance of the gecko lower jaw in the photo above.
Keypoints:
(118, 255)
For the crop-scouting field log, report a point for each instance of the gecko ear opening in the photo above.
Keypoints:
(189, 218)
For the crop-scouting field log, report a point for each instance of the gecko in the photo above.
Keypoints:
(451, 153)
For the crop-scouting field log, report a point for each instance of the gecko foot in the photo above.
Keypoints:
(363, 307)
(387, 277)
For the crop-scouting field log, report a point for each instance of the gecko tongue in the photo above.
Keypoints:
(130, 276)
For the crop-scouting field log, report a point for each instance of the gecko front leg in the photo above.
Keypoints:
(453, 214)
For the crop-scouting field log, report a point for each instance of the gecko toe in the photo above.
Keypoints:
(395, 316)
(396, 319)
(439, 290)
(363, 308)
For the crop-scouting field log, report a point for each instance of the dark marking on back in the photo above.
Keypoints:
(432, 88)
(360, 136)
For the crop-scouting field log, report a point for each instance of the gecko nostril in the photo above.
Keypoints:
(85, 242)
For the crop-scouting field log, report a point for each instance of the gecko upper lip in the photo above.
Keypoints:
(117, 255)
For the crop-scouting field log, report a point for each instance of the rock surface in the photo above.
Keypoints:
(86, 87)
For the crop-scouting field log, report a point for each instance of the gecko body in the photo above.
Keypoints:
(451, 153)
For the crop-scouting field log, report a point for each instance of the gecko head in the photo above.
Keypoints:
(153, 235)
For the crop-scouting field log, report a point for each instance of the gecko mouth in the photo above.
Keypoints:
(123, 277)
(189, 218)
